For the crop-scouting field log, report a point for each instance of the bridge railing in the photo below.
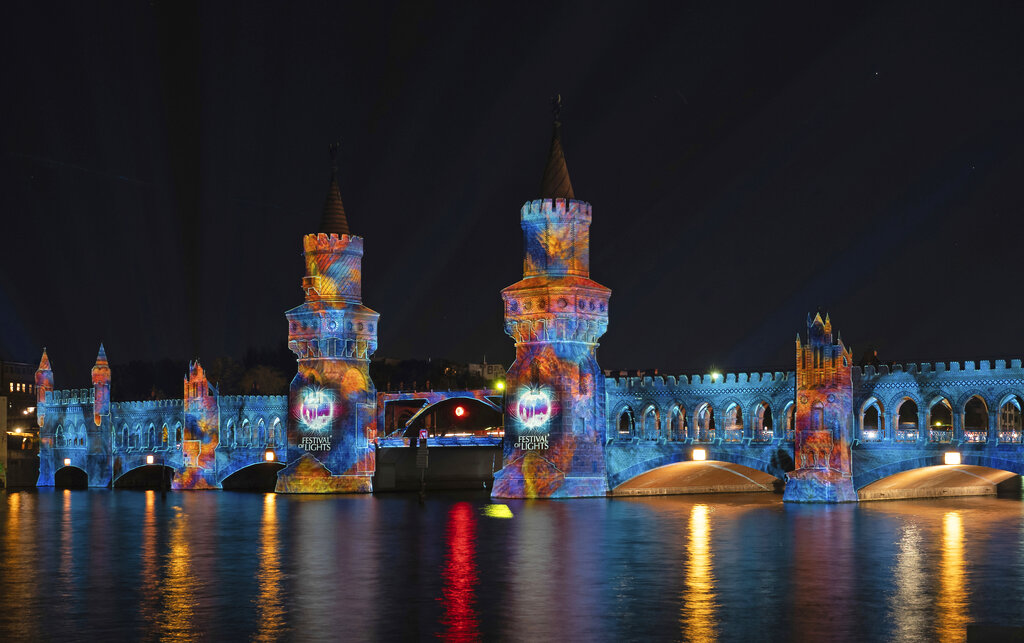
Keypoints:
(940, 435)
(703, 435)
(971, 435)
(870, 435)
(906, 435)
(764, 435)
(790, 435)
(1010, 437)
(734, 435)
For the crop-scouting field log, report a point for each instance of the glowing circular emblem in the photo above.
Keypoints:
(459, 411)
(534, 409)
(316, 409)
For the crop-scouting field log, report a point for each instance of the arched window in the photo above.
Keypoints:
(872, 421)
(1009, 420)
(940, 421)
(651, 428)
(177, 435)
(705, 423)
(58, 436)
(625, 424)
(151, 437)
(789, 422)
(677, 424)
(762, 429)
(906, 429)
(277, 433)
(244, 434)
(261, 433)
(124, 437)
(733, 423)
(975, 420)
(136, 437)
(163, 436)
(817, 416)
(228, 435)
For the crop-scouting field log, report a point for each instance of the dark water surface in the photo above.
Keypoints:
(127, 565)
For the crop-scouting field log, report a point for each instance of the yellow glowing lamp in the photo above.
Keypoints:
(269, 456)
(18, 430)
(700, 455)
(67, 462)
(149, 459)
(952, 457)
(714, 376)
(500, 386)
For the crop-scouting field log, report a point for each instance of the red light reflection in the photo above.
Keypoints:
(460, 576)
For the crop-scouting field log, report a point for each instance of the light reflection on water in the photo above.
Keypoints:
(699, 595)
(231, 566)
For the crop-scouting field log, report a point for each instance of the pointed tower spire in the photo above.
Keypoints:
(333, 220)
(556, 183)
(44, 364)
(101, 357)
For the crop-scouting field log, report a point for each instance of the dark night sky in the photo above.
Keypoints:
(747, 164)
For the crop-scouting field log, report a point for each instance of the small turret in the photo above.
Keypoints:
(44, 384)
(101, 387)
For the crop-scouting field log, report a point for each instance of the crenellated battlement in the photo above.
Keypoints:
(70, 396)
(145, 405)
(936, 368)
(624, 383)
(558, 209)
(262, 401)
(333, 243)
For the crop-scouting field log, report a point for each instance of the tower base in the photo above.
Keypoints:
(818, 486)
(309, 475)
(532, 476)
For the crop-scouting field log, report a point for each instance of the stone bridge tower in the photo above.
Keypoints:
(555, 400)
(331, 401)
(824, 412)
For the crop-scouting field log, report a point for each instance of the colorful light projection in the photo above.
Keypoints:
(824, 408)
(316, 409)
(332, 401)
(555, 411)
(534, 407)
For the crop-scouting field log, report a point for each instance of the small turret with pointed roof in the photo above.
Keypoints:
(100, 387)
(44, 384)
(556, 184)
(333, 219)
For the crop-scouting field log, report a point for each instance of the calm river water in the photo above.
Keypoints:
(126, 565)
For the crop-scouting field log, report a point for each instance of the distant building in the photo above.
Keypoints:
(18, 385)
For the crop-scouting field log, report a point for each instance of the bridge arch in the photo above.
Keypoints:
(70, 477)
(252, 476)
(145, 476)
(863, 479)
(683, 456)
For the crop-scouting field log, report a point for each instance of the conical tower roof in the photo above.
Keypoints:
(333, 219)
(101, 357)
(44, 363)
(556, 184)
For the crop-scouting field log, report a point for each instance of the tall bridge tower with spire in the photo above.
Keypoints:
(331, 400)
(555, 401)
